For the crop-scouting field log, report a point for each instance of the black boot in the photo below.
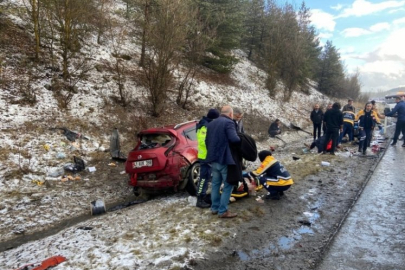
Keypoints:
(201, 203)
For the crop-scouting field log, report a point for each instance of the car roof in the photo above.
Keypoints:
(172, 129)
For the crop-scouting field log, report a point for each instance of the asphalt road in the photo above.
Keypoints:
(373, 235)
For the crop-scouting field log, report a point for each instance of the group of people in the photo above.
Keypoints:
(222, 144)
(337, 123)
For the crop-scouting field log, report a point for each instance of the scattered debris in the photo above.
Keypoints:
(38, 182)
(60, 155)
(70, 135)
(76, 167)
(112, 164)
(85, 228)
(45, 264)
(325, 163)
(56, 173)
(47, 147)
(91, 169)
(115, 149)
(97, 207)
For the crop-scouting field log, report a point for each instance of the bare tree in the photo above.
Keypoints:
(32, 8)
(167, 33)
(199, 38)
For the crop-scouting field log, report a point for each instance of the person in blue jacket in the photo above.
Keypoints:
(400, 126)
(220, 134)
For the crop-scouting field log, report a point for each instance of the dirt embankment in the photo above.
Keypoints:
(288, 234)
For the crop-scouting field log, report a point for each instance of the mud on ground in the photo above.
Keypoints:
(288, 234)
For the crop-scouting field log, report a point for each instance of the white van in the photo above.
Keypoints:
(390, 101)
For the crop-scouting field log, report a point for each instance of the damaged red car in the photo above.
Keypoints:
(164, 159)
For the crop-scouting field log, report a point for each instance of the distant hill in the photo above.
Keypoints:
(388, 92)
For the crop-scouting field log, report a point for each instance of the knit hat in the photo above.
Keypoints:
(213, 114)
(263, 154)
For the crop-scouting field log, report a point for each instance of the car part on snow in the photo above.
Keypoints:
(78, 165)
(45, 264)
(70, 135)
(115, 149)
(97, 207)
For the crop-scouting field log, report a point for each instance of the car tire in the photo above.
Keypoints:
(192, 179)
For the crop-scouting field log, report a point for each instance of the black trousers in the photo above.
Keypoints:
(399, 127)
(317, 127)
(331, 133)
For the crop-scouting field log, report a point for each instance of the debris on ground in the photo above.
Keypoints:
(77, 166)
(115, 148)
(70, 135)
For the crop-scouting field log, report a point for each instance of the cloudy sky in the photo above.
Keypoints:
(370, 36)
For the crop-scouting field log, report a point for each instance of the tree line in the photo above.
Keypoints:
(179, 35)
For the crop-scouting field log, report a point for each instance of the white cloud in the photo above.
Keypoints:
(394, 45)
(399, 22)
(355, 32)
(363, 7)
(380, 27)
(323, 20)
(337, 7)
(324, 35)
(388, 68)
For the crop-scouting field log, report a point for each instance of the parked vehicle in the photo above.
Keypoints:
(165, 159)
(390, 101)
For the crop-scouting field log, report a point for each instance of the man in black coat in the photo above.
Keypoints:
(316, 118)
(333, 119)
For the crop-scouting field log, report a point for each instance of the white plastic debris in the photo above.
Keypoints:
(91, 169)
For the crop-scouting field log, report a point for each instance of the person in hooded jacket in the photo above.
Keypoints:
(272, 175)
(367, 121)
(205, 168)
(333, 119)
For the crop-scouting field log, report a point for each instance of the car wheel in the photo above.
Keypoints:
(193, 177)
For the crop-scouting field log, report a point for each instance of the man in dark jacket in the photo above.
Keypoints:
(205, 168)
(316, 118)
(400, 126)
(274, 128)
(333, 119)
(349, 106)
(220, 133)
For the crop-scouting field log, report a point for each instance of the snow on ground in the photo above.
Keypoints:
(32, 157)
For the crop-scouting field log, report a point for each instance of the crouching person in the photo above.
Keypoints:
(272, 175)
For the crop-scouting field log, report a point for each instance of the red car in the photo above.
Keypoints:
(165, 159)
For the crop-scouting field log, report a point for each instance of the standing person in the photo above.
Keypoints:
(349, 106)
(274, 128)
(333, 119)
(220, 134)
(205, 168)
(375, 108)
(272, 175)
(348, 125)
(237, 117)
(328, 107)
(367, 121)
(400, 125)
(316, 118)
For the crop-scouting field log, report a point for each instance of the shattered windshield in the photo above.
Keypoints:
(154, 141)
